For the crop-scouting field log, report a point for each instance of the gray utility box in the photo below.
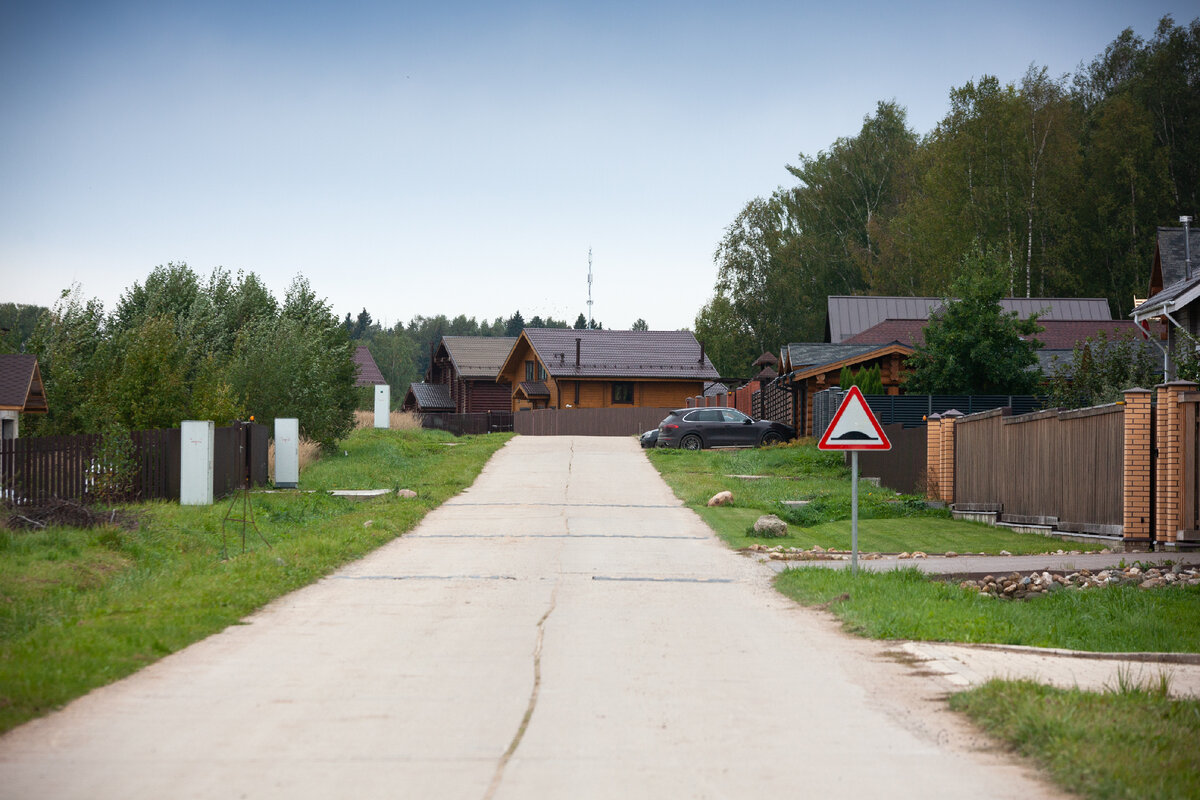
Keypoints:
(287, 453)
(383, 405)
(196, 439)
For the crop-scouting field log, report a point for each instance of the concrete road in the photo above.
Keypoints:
(565, 628)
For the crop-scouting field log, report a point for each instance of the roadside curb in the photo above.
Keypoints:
(1147, 658)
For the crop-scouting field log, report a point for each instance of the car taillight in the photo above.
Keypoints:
(671, 427)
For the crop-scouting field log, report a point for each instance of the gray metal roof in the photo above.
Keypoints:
(621, 354)
(478, 356)
(850, 315)
(806, 355)
(431, 396)
(1172, 255)
(1175, 296)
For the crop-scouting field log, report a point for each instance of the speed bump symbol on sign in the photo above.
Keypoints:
(854, 426)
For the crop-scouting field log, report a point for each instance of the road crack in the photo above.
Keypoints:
(533, 699)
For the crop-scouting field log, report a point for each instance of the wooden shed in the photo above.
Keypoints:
(21, 391)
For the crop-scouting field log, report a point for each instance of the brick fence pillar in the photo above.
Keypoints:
(1169, 478)
(946, 470)
(1136, 469)
(933, 456)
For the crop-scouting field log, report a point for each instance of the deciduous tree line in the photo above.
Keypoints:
(182, 347)
(1063, 179)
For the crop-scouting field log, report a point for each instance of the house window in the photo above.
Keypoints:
(534, 371)
(622, 392)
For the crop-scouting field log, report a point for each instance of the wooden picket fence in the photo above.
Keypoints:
(33, 470)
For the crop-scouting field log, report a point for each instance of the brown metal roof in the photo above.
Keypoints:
(21, 386)
(1057, 334)
(430, 396)
(368, 370)
(620, 354)
(478, 356)
(533, 389)
(907, 331)
(847, 316)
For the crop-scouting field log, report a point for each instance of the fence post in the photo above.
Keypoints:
(933, 456)
(1169, 466)
(1136, 521)
(946, 471)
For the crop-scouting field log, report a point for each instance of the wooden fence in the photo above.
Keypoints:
(588, 421)
(473, 423)
(1062, 468)
(1189, 526)
(33, 470)
(901, 469)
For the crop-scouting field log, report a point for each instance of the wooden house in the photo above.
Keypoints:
(21, 392)
(567, 368)
(808, 368)
(462, 377)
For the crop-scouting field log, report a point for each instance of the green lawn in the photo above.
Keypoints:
(905, 604)
(79, 609)
(888, 522)
(1126, 743)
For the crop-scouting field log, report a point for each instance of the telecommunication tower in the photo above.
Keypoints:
(589, 288)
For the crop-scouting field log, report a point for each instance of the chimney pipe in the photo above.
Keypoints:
(1187, 249)
(701, 361)
(577, 341)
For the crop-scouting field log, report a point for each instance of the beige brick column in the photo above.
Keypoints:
(1170, 460)
(933, 456)
(1136, 470)
(946, 471)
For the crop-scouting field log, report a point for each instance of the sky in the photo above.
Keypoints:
(460, 157)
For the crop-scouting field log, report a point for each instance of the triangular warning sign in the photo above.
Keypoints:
(854, 427)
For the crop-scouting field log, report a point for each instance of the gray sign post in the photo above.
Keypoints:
(854, 427)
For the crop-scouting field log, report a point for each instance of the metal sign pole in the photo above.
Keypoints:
(853, 512)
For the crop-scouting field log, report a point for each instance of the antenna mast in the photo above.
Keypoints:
(589, 288)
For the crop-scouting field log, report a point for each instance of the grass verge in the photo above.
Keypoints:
(80, 609)
(905, 604)
(888, 523)
(1131, 742)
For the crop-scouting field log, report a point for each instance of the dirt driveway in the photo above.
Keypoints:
(564, 628)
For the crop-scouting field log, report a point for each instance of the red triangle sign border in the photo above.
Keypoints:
(855, 395)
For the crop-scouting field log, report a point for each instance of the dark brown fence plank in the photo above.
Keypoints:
(902, 468)
(588, 421)
(1064, 467)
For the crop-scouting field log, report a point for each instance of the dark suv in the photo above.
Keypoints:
(694, 428)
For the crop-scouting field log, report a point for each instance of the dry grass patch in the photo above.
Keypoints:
(310, 453)
(397, 420)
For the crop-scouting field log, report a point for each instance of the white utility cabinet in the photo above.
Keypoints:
(383, 405)
(287, 452)
(196, 462)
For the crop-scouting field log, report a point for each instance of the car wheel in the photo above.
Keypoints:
(771, 437)
(691, 442)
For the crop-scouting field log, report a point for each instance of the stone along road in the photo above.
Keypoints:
(565, 628)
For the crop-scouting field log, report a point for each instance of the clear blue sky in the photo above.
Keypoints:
(460, 158)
